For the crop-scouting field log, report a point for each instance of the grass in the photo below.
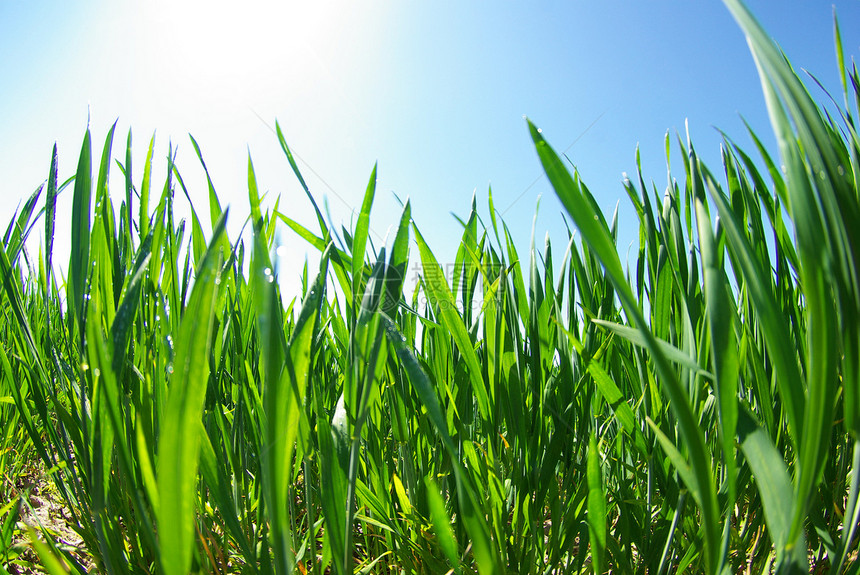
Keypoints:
(694, 411)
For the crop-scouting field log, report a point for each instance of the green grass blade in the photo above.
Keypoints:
(596, 507)
(395, 273)
(104, 165)
(50, 218)
(129, 185)
(774, 486)
(442, 524)
(179, 442)
(80, 247)
(359, 241)
(487, 556)
(323, 228)
(720, 321)
(770, 316)
(596, 234)
(143, 218)
(440, 295)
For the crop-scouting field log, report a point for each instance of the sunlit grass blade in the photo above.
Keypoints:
(80, 247)
(486, 555)
(179, 443)
(722, 330)
(596, 234)
(323, 228)
(359, 241)
(777, 493)
(821, 201)
(143, 217)
(442, 524)
(596, 507)
(439, 294)
(395, 273)
(50, 218)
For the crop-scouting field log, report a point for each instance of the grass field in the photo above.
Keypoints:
(694, 409)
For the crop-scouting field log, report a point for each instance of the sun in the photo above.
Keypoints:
(197, 59)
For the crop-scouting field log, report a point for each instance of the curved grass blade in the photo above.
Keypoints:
(359, 241)
(487, 556)
(724, 348)
(596, 234)
(442, 524)
(80, 247)
(777, 493)
(439, 293)
(596, 507)
(50, 216)
(179, 443)
(822, 202)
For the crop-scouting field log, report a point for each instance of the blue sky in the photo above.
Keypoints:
(435, 92)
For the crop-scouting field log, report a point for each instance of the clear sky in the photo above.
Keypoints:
(434, 91)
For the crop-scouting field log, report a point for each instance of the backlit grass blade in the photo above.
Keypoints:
(179, 442)
(52, 564)
(292, 161)
(440, 295)
(359, 241)
(216, 477)
(774, 486)
(596, 507)
(821, 201)
(334, 446)
(50, 216)
(284, 402)
(20, 227)
(143, 218)
(395, 273)
(214, 205)
(123, 321)
(80, 247)
(770, 316)
(597, 236)
(671, 352)
(610, 392)
(110, 432)
(442, 524)
(129, 186)
(198, 241)
(722, 330)
(486, 555)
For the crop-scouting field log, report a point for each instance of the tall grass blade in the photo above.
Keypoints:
(179, 443)
(80, 247)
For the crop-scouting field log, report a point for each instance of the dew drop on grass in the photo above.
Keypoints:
(840, 169)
